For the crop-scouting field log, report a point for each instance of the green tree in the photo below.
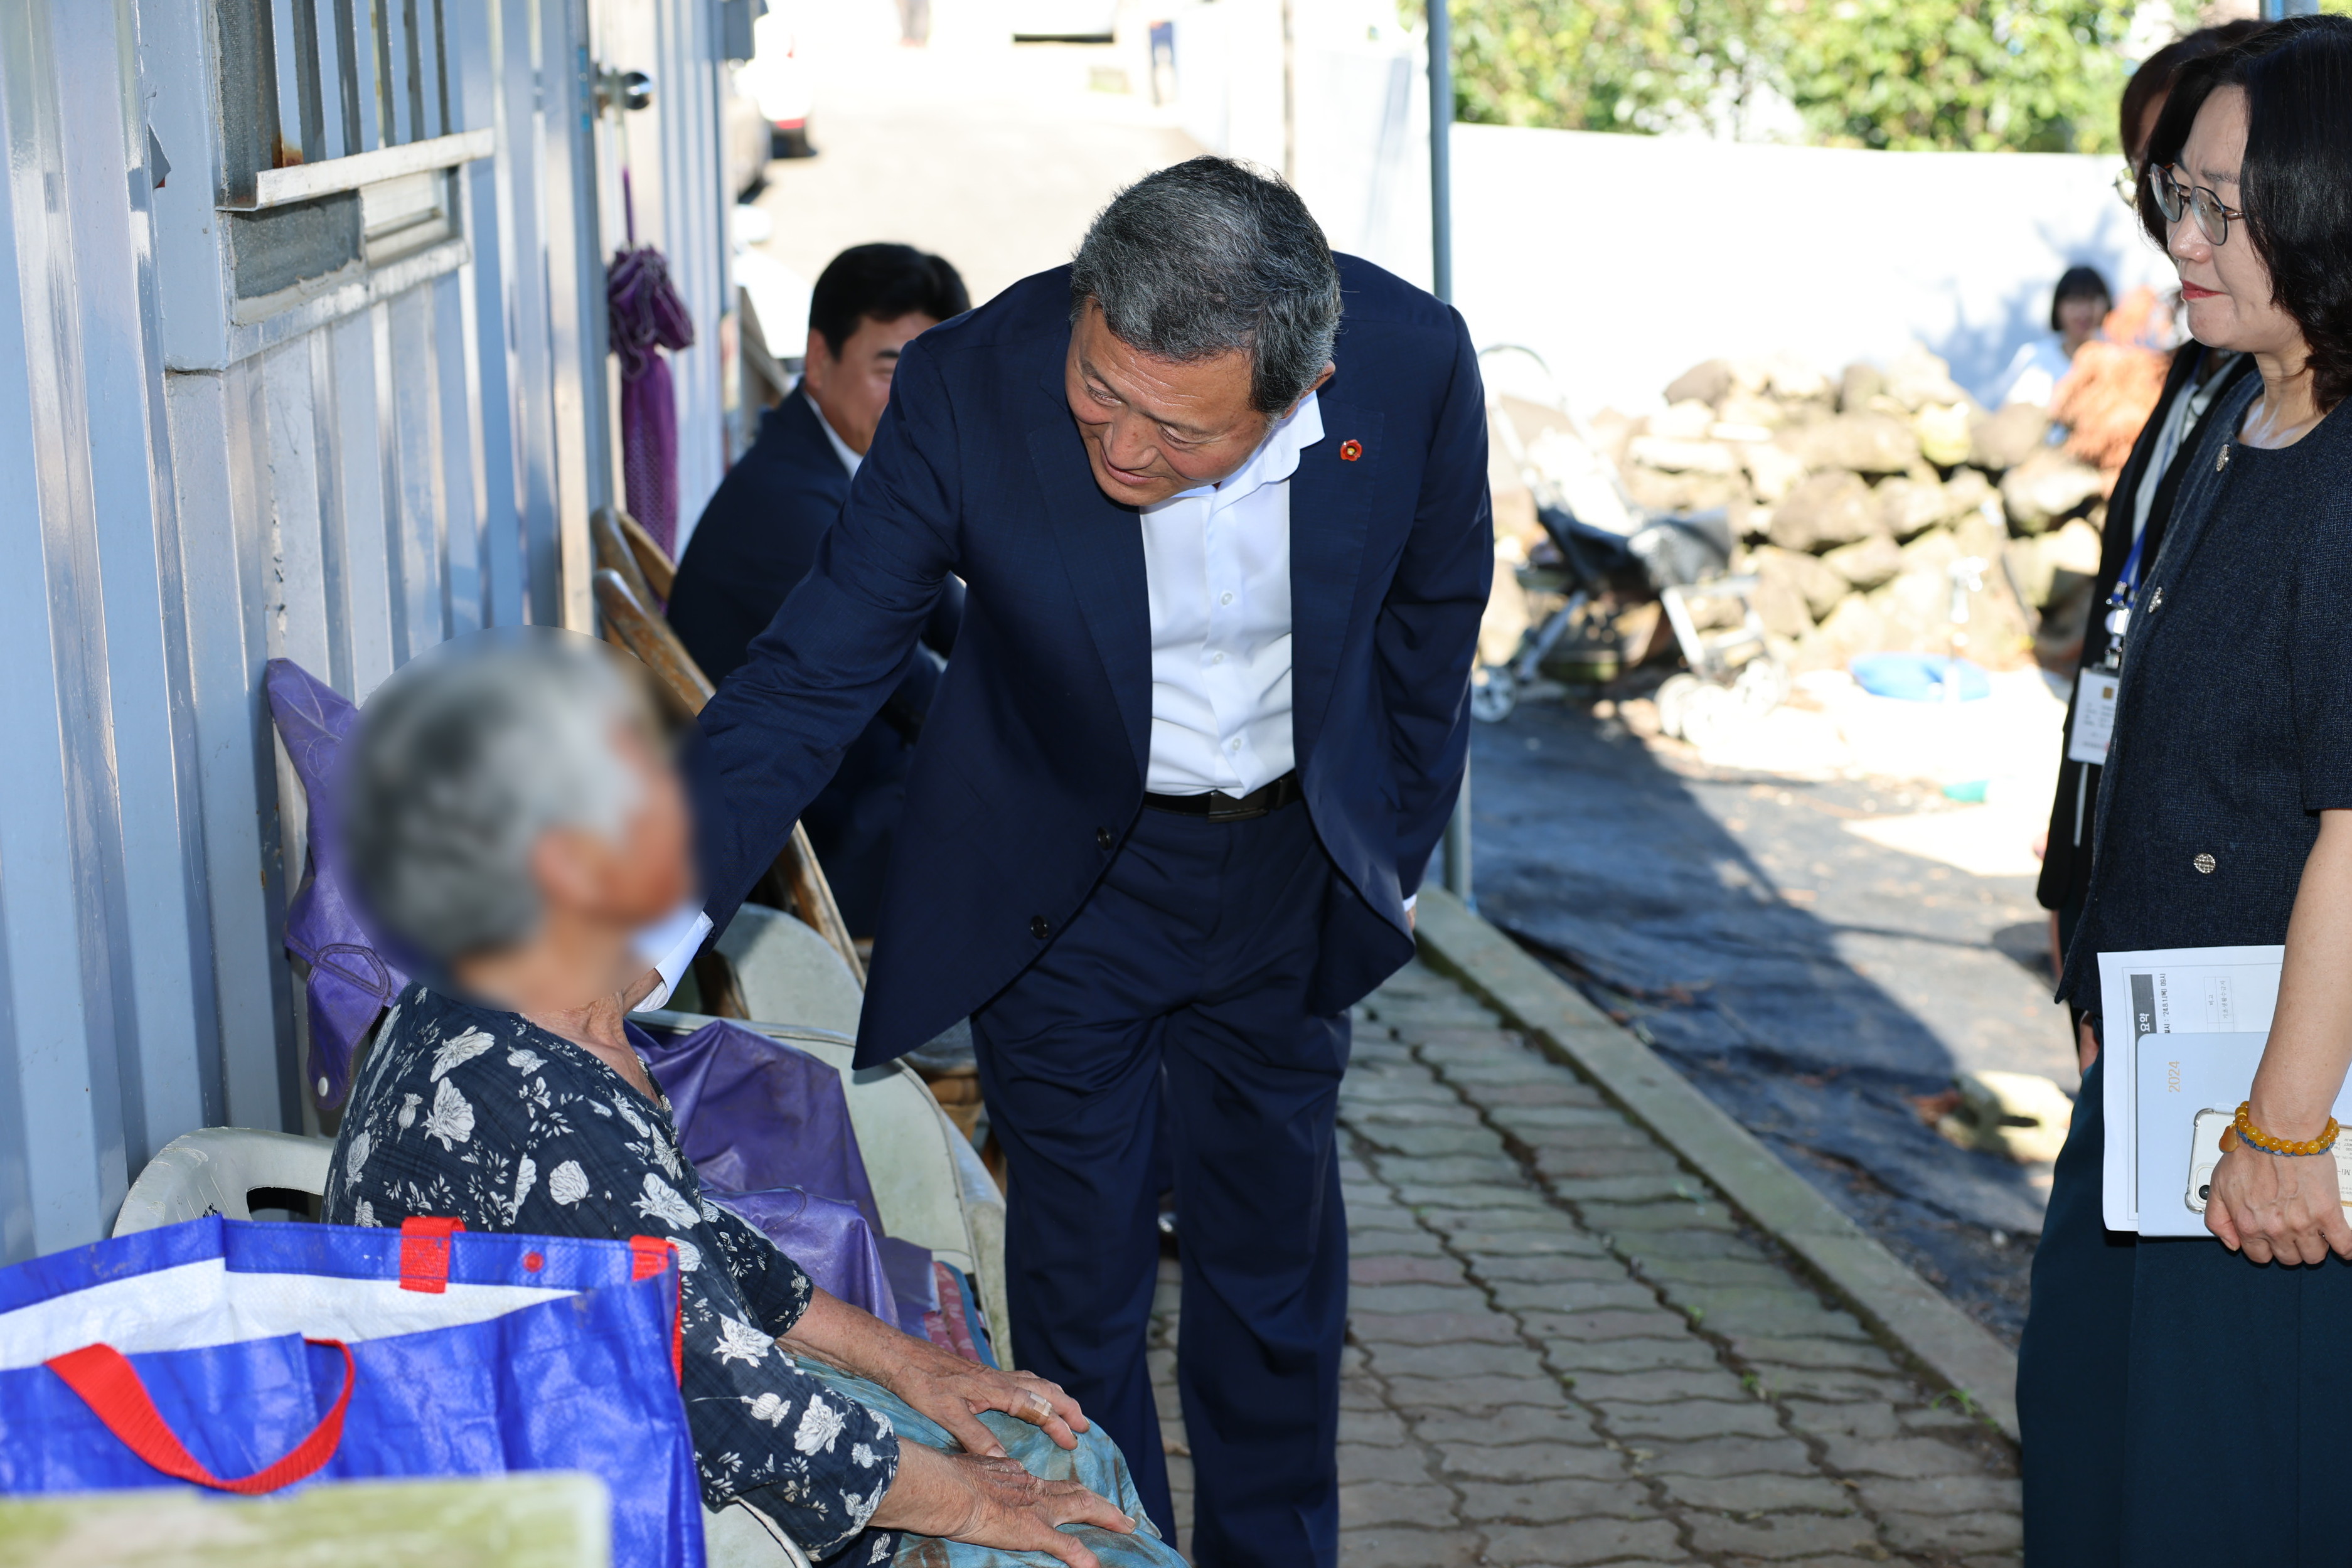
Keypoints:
(1607, 65)
(1980, 75)
(1974, 75)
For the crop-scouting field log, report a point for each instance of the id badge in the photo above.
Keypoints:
(2094, 717)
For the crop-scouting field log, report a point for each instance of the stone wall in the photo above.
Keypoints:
(1853, 498)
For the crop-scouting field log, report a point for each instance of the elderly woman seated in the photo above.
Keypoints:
(510, 819)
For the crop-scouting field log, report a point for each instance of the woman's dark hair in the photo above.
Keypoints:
(2155, 74)
(2078, 283)
(885, 282)
(2295, 184)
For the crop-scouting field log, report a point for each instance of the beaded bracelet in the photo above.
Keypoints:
(2256, 1138)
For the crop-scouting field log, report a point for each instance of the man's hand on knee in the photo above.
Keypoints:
(993, 1501)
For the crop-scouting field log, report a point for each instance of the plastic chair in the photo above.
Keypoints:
(217, 1170)
(785, 970)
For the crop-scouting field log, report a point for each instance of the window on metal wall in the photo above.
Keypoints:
(340, 140)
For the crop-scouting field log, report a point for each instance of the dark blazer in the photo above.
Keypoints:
(2066, 860)
(1032, 767)
(757, 539)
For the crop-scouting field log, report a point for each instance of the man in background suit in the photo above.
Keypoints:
(1220, 499)
(759, 535)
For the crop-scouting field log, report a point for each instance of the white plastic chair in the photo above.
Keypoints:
(215, 1170)
(785, 970)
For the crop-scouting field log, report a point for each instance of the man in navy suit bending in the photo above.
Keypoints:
(1220, 499)
(758, 537)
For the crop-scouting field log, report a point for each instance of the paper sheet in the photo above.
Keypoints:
(2182, 1074)
(2169, 990)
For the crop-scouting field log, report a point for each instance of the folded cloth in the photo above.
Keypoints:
(1095, 1463)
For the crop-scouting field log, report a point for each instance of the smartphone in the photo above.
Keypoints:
(2205, 1152)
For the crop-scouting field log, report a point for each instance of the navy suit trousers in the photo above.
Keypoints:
(1166, 1029)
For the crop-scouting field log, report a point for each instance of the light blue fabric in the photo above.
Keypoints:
(1096, 1463)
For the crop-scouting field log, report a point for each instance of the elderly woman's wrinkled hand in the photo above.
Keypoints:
(2281, 1207)
(993, 1501)
(953, 1392)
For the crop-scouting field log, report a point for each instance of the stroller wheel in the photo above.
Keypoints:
(1493, 694)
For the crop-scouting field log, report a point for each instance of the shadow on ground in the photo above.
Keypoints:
(1811, 982)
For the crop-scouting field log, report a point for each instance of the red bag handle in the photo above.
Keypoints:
(111, 1387)
(648, 1255)
(425, 1252)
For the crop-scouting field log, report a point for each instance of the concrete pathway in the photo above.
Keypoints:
(1564, 1350)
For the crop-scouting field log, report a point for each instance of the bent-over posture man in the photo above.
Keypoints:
(1220, 501)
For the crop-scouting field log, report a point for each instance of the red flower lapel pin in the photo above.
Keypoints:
(1350, 450)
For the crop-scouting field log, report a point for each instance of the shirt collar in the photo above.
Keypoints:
(849, 460)
(1275, 459)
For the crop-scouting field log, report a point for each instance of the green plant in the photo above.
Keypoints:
(1981, 76)
(1611, 65)
(1970, 75)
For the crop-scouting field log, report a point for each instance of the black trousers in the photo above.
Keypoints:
(1172, 1010)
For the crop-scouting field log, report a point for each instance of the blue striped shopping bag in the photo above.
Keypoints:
(248, 1357)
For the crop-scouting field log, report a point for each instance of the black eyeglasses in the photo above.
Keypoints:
(2173, 198)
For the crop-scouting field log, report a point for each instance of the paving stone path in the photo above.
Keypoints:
(1563, 1350)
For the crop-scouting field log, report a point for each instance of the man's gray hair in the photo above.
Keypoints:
(1209, 256)
(460, 763)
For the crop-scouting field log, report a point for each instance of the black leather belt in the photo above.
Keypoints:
(1219, 807)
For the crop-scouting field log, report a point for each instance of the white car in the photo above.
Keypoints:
(777, 78)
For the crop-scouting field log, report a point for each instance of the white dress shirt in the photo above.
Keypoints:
(849, 460)
(1217, 561)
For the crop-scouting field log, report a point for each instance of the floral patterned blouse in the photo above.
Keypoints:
(481, 1114)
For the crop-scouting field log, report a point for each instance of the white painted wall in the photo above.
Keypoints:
(1623, 260)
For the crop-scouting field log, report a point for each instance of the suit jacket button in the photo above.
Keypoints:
(1103, 838)
(2204, 864)
(1040, 927)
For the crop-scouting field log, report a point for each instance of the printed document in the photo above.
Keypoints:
(2169, 990)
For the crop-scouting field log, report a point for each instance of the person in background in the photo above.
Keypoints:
(2180, 1401)
(2138, 510)
(510, 819)
(759, 536)
(2077, 306)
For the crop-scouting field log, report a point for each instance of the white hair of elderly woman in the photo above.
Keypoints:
(461, 762)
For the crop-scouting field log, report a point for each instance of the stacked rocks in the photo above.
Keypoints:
(1854, 498)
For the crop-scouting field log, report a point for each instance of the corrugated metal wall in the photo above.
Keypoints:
(185, 494)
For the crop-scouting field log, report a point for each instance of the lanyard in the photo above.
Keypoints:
(2126, 588)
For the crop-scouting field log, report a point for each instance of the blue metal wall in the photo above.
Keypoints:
(185, 494)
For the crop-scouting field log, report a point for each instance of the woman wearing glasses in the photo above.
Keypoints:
(2191, 1405)
(2137, 512)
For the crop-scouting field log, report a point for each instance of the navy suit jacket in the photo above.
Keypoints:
(1032, 766)
(756, 539)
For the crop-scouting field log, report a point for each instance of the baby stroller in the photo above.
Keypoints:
(1680, 559)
